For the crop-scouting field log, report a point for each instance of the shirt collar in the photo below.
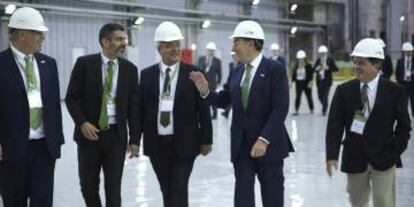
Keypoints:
(105, 60)
(172, 67)
(17, 53)
(256, 61)
(372, 85)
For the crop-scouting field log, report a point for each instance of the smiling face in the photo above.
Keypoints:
(242, 47)
(114, 46)
(170, 52)
(365, 71)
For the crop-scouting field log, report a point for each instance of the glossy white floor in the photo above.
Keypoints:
(212, 180)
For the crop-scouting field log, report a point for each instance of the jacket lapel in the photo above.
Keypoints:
(15, 69)
(260, 73)
(121, 84)
(180, 81)
(43, 75)
(356, 92)
(155, 77)
(97, 67)
(379, 95)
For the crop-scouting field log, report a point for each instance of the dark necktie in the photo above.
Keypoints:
(364, 98)
(165, 115)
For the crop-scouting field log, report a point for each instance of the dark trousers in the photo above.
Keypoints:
(29, 179)
(173, 174)
(300, 87)
(270, 175)
(323, 94)
(107, 153)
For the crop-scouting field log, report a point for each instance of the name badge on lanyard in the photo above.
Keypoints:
(358, 124)
(35, 100)
(111, 106)
(167, 103)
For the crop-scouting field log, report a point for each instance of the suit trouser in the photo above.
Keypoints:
(381, 183)
(107, 153)
(173, 174)
(270, 175)
(300, 87)
(323, 94)
(31, 178)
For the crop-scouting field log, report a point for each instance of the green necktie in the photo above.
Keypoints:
(245, 88)
(165, 115)
(31, 82)
(103, 117)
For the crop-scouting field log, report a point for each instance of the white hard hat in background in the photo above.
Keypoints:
(381, 42)
(167, 32)
(322, 49)
(407, 46)
(211, 46)
(274, 46)
(248, 29)
(27, 18)
(301, 54)
(368, 48)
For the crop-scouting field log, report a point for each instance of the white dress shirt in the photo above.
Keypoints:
(111, 106)
(21, 63)
(372, 93)
(407, 68)
(255, 65)
(168, 130)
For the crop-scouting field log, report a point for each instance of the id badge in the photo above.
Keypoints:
(35, 100)
(358, 124)
(111, 107)
(167, 104)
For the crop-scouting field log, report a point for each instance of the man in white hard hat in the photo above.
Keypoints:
(405, 71)
(275, 54)
(211, 66)
(373, 113)
(30, 116)
(102, 99)
(386, 69)
(258, 92)
(302, 76)
(324, 67)
(176, 121)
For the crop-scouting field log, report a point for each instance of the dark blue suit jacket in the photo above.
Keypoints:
(14, 107)
(267, 108)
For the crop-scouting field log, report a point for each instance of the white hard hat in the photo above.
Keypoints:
(407, 46)
(27, 18)
(301, 54)
(167, 32)
(274, 46)
(248, 29)
(211, 46)
(368, 48)
(381, 42)
(322, 49)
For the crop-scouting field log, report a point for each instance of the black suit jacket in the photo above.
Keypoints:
(386, 132)
(309, 73)
(14, 107)
(84, 97)
(399, 73)
(213, 76)
(192, 121)
(327, 80)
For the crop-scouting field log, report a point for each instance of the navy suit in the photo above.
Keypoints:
(279, 59)
(28, 165)
(268, 105)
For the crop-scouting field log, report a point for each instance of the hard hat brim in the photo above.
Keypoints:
(40, 28)
(363, 55)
